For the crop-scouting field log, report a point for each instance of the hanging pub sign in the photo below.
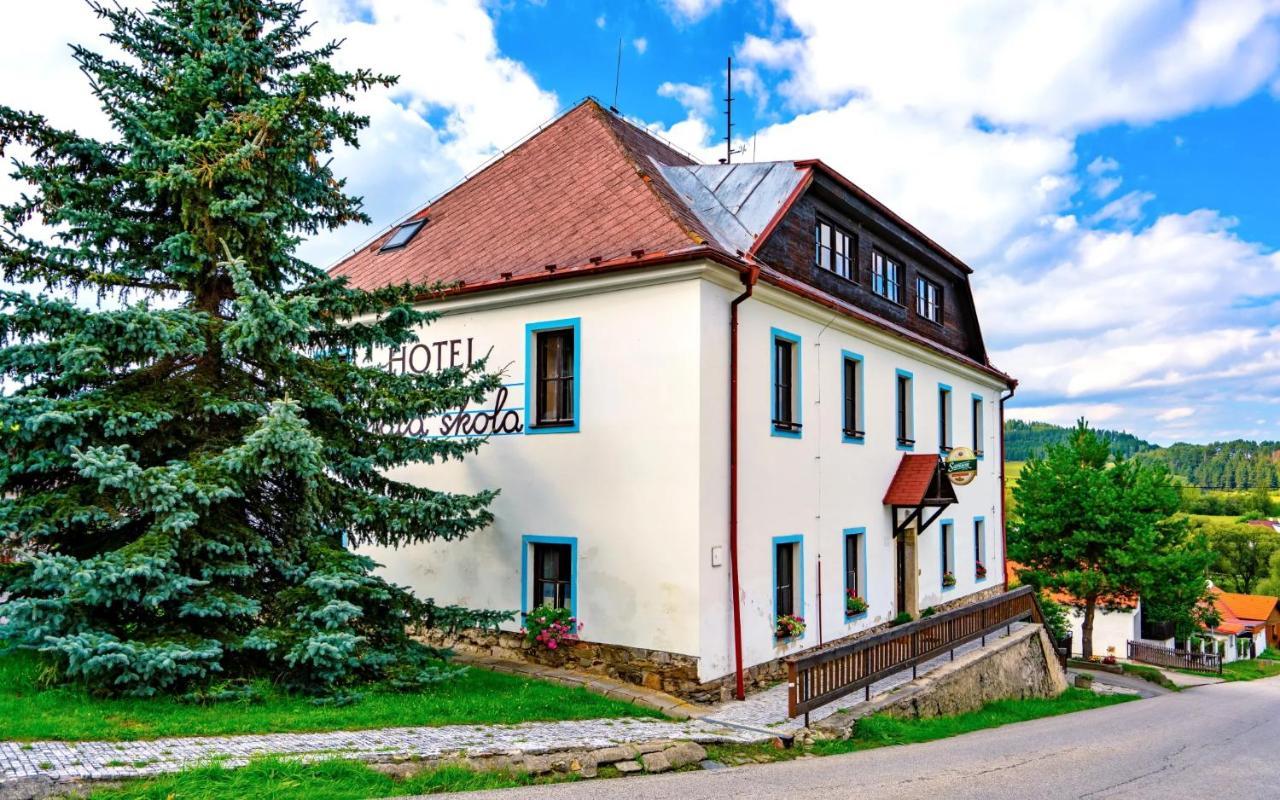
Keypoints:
(962, 466)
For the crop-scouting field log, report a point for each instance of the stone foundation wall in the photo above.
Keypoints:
(673, 673)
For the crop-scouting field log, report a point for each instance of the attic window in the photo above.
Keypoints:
(403, 234)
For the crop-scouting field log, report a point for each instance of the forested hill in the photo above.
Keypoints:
(1022, 440)
(1221, 465)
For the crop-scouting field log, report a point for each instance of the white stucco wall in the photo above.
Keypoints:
(1110, 629)
(626, 486)
(643, 486)
(817, 486)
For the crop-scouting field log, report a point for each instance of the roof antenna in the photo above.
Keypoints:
(617, 78)
(728, 114)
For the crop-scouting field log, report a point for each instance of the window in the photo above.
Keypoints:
(833, 249)
(854, 582)
(885, 276)
(979, 548)
(947, 536)
(944, 418)
(403, 234)
(788, 577)
(976, 414)
(928, 299)
(852, 411)
(786, 384)
(903, 404)
(548, 572)
(552, 385)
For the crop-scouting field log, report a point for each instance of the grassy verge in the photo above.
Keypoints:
(1150, 674)
(29, 711)
(883, 731)
(272, 779)
(1250, 670)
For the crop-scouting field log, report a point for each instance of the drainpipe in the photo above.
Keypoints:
(749, 281)
(1004, 511)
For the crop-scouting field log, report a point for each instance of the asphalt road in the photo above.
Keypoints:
(1211, 741)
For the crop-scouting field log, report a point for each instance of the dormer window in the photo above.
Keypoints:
(928, 299)
(403, 234)
(833, 249)
(886, 279)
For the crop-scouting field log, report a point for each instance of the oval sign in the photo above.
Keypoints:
(962, 466)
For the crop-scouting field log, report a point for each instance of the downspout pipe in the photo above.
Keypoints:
(749, 282)
(1004, 510)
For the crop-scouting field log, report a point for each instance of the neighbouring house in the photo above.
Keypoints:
(1249, 623)
(1115, 623)
(1265, 523)
(730, 394)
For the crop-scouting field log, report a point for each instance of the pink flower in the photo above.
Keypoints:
(552, 644)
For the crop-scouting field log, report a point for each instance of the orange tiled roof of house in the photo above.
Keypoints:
(1244, 607)
(1011, 571)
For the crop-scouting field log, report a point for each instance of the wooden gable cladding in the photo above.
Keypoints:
(790, 249)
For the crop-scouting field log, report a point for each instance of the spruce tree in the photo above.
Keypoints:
(184, 459)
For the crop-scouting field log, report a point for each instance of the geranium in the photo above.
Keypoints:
(981, 570)
(551, 628)
(948, 579)
(853, 604)
(789, 626)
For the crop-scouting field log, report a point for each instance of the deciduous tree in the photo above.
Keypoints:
(1105, 532)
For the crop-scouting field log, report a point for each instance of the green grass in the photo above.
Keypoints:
(1150, 674)
(1250, 670)
(1270, 653)
(29, 712)
(273, 779)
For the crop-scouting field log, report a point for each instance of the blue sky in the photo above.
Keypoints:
(1108, 169)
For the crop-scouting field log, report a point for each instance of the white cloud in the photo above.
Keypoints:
(1124, 209)
(1066, 414)
(695, 99)
(689, 11)
(1060, 66)
(600, 22)
(641, 44)
(1101, 166)
(1175, 414)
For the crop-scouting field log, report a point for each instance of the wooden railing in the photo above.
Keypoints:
(815, 679)
(1175, 659)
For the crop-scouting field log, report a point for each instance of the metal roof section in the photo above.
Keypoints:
(735, 202)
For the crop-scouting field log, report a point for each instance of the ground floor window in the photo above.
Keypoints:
(946, 535)
(550, 572)
(855, 596)
(788, 584)
(979, 548)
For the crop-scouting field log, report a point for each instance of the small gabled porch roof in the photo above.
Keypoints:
(919, 483)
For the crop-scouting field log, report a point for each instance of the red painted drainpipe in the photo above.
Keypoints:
(749, 281)
(1004, 511)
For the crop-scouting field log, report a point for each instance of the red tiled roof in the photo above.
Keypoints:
(527, 210)
(1011, 569)
(1244, 607)
(911, 481)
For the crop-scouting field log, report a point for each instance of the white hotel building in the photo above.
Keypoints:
(648, 313)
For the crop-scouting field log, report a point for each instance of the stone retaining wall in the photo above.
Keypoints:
(673, 673)
(1016, 667)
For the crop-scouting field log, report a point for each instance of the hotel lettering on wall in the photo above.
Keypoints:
(496, 418)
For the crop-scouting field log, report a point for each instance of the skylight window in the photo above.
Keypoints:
(403, 234)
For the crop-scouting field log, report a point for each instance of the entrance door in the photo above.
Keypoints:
(900, 574)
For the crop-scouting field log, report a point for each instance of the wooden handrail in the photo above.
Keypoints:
(822, 676)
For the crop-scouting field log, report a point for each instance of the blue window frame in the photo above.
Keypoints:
(944, 418)
(560, 587)
(977, 406)
(553, 376)
(980, 549)
(788, 576)
(852, 412)
(947, 543)
(785, 371)
(904, 410)
(855, 564)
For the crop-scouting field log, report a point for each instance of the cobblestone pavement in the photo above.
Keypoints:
(101, 760)
(767, 710)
